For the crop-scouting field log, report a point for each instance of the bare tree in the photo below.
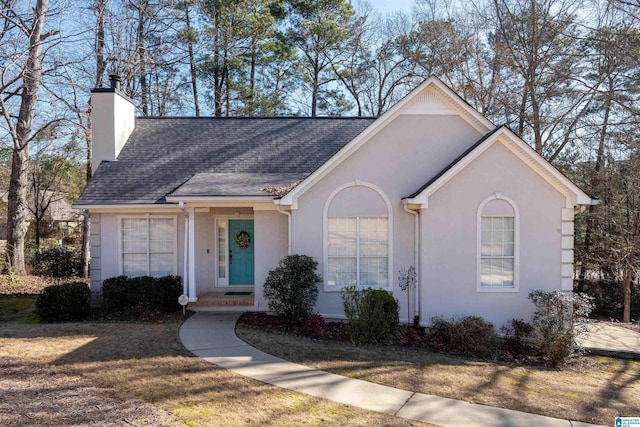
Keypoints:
(21, 76)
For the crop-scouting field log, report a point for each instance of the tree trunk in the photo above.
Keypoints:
(37, 223)
(627, 276)
(85, 254)
(252, 77)
(595, 185)
(192, 61)
(17, 209)
(144, 90)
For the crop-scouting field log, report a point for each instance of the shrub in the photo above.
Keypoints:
(142, 296)
(291, 290)
(372, 314)
(56, 262)
(64, 302)
(469, 336)
(518, 336)
(409, 337)
(554, 322)
(314, 326)
(164, 293)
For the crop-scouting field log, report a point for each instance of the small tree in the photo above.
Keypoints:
(555, 322)
(291, 290)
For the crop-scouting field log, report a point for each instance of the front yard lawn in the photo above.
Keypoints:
(589, 389)
(145, 361)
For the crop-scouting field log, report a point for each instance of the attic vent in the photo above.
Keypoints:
(430, 102)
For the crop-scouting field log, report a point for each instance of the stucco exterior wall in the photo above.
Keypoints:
(270, 228)
(449, 239)
(398, 160)
(205, 255)
(113, 120)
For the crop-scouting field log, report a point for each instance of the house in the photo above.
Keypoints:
(431, 183)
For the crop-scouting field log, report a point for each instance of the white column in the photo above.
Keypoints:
(191, 259)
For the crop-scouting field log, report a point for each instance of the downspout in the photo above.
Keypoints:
(185, 262)
(288, 214)
(416, 261)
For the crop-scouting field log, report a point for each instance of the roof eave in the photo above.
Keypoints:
(572, 192)
(219, 199)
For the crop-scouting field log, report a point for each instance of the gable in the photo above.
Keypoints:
(530, 158)
(431, 99)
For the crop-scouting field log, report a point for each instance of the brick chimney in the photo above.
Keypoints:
(112, 121)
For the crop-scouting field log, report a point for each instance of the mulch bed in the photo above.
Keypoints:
(269, 322)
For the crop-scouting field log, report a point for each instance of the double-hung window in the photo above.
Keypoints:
(358, 252)
(498, 256)
(148, 246)
(497, 246)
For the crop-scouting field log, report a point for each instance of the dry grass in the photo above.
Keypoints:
(29, 284)
(36, 394)
(146, 361)
(589, 389)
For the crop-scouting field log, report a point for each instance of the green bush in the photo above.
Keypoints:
(469, 336)
(64, 302)
(372, 314)
(141, 296)
(291, 289)
(556, 322)
(56, 262)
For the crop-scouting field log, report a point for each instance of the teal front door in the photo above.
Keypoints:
(241, 246)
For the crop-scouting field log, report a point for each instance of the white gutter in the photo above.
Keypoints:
(186, 249)
(416, 258)
(219, 199)
(124, 206)
(288, 214)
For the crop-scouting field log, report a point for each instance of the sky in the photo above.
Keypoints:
(385, 6)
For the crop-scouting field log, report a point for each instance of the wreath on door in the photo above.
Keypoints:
(242, 240)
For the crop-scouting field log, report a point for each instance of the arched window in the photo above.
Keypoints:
(497, 244)
(357, 237)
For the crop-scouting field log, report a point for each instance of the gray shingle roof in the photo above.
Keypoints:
(162, 154)
(236, 184)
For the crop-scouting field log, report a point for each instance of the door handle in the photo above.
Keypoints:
(230, 255)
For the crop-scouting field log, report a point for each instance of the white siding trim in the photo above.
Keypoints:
(516, 248)
(325, 231)
(193, 297)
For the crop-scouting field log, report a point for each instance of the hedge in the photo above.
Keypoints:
(140, 296)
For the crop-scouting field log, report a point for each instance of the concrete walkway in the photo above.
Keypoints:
(611, 339)
(212, 337)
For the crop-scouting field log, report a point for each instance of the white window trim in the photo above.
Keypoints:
(224, 283)
(148, 216)
(325, 235)
(516, 248)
